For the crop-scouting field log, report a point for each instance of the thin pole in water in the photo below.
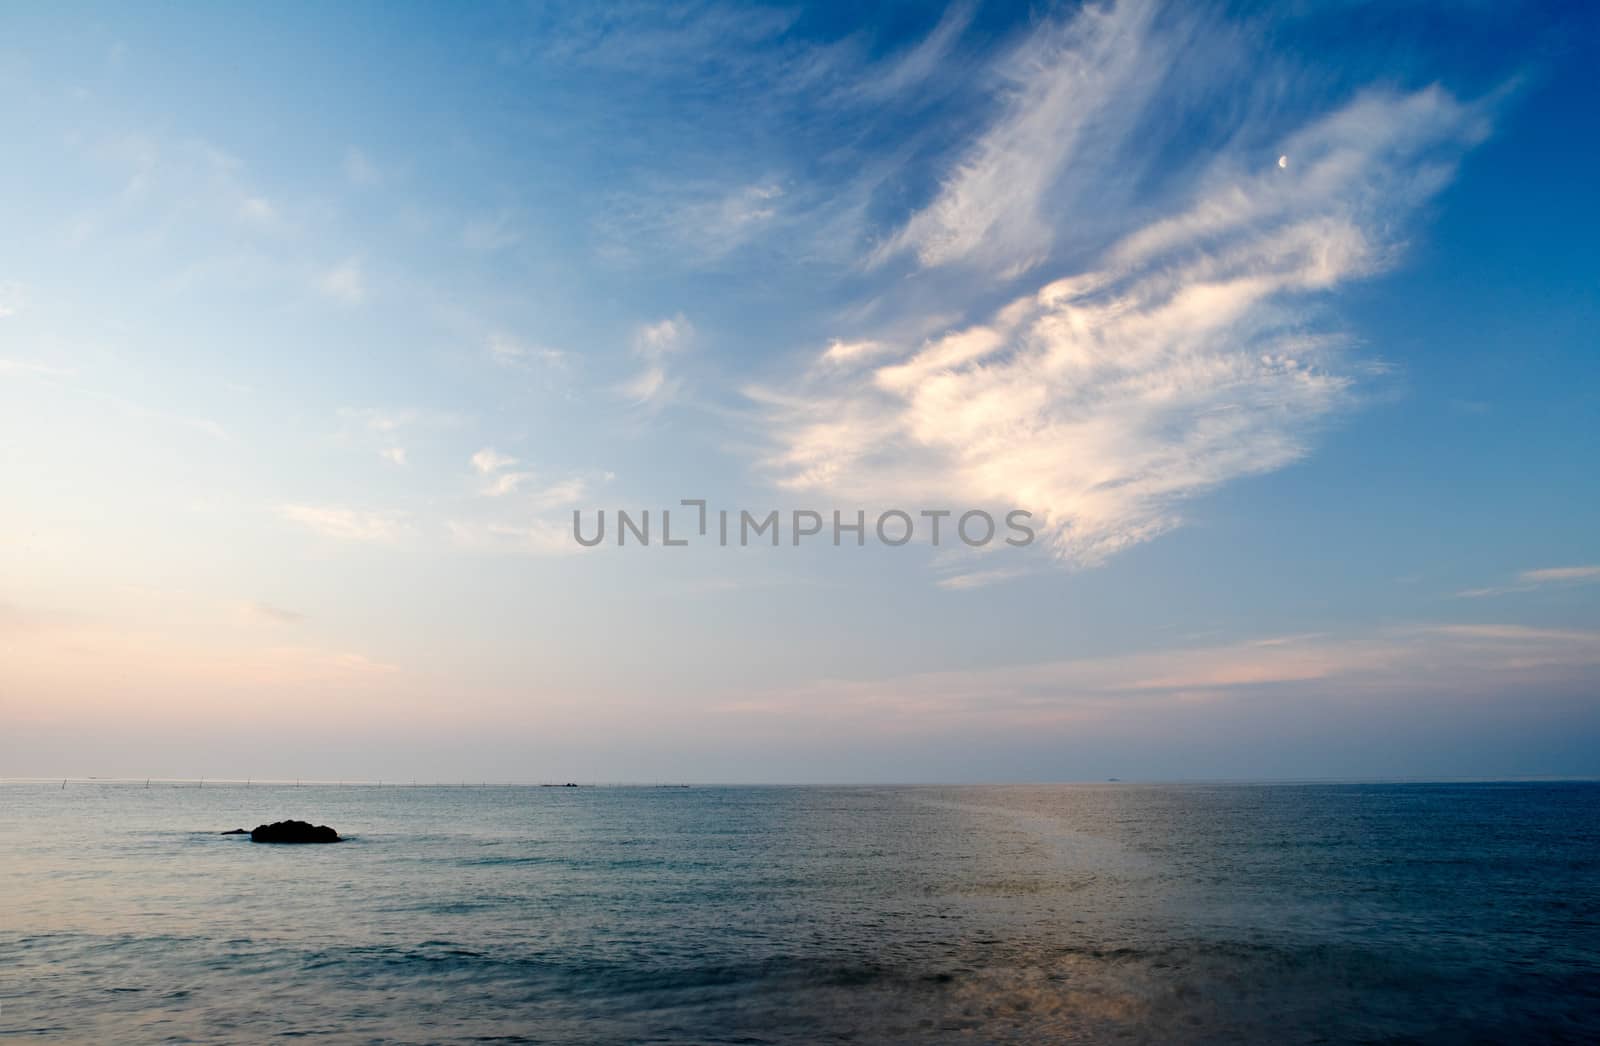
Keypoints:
(63, 784)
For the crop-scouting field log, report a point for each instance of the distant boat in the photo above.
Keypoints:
(1113, 779)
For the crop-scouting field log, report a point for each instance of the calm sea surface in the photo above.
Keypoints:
(1164, 914)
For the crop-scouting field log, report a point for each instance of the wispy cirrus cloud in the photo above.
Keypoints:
(497, 469)
(265, 613)
(1188, 353)
(841, 353)
(383, 428)
(1528, 580)
(345, 282)
(348, 524)
(913, 67)
(978, 578)
(389, 420)
(529, 537)
(508, 351)
(529, 527)
(488, 461)
(259, 210)
(719, 221)
(128, 408)
(653, 344)
(562, 493)
(812, 201)
(1421, 661)
(502, 477)
(1077, 87)
(96, 667)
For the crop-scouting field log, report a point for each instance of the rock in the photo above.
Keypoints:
(236, 831)
(293, 832)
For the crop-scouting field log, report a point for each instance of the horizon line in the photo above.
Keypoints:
(243, 782)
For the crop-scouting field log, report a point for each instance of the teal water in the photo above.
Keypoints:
(1129, 913)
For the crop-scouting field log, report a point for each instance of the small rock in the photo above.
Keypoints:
(293, 832)
(236, 831)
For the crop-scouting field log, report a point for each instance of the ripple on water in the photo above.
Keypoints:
(1217, 914)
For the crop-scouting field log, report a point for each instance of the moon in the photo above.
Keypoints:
(1283, 161)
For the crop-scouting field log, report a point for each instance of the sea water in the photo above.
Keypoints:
(1063, 913)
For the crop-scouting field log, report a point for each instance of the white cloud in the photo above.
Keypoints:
(716, 221)
(655, 340)
(842, 353)
(499, 477)
(509, 352)
(979, 578)
(1072, 84)
(646, 386)
(1183, 359)
(258, 210)
(345, 282)
(541, 522)
(653, 343)
(1528, 580)
(563, 494)
(1550, 574)
(347, 524)
(1367, 161)
(750, 205)
(503, 483)
(488, 460)
(382, 429)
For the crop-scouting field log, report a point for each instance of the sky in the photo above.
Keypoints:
(318, 324)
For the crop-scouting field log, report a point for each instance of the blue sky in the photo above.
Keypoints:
(317, 324)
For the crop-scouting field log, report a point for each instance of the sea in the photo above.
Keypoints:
(1111, 912)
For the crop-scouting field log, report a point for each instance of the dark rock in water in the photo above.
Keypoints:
(293, 832)
(236, 831)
